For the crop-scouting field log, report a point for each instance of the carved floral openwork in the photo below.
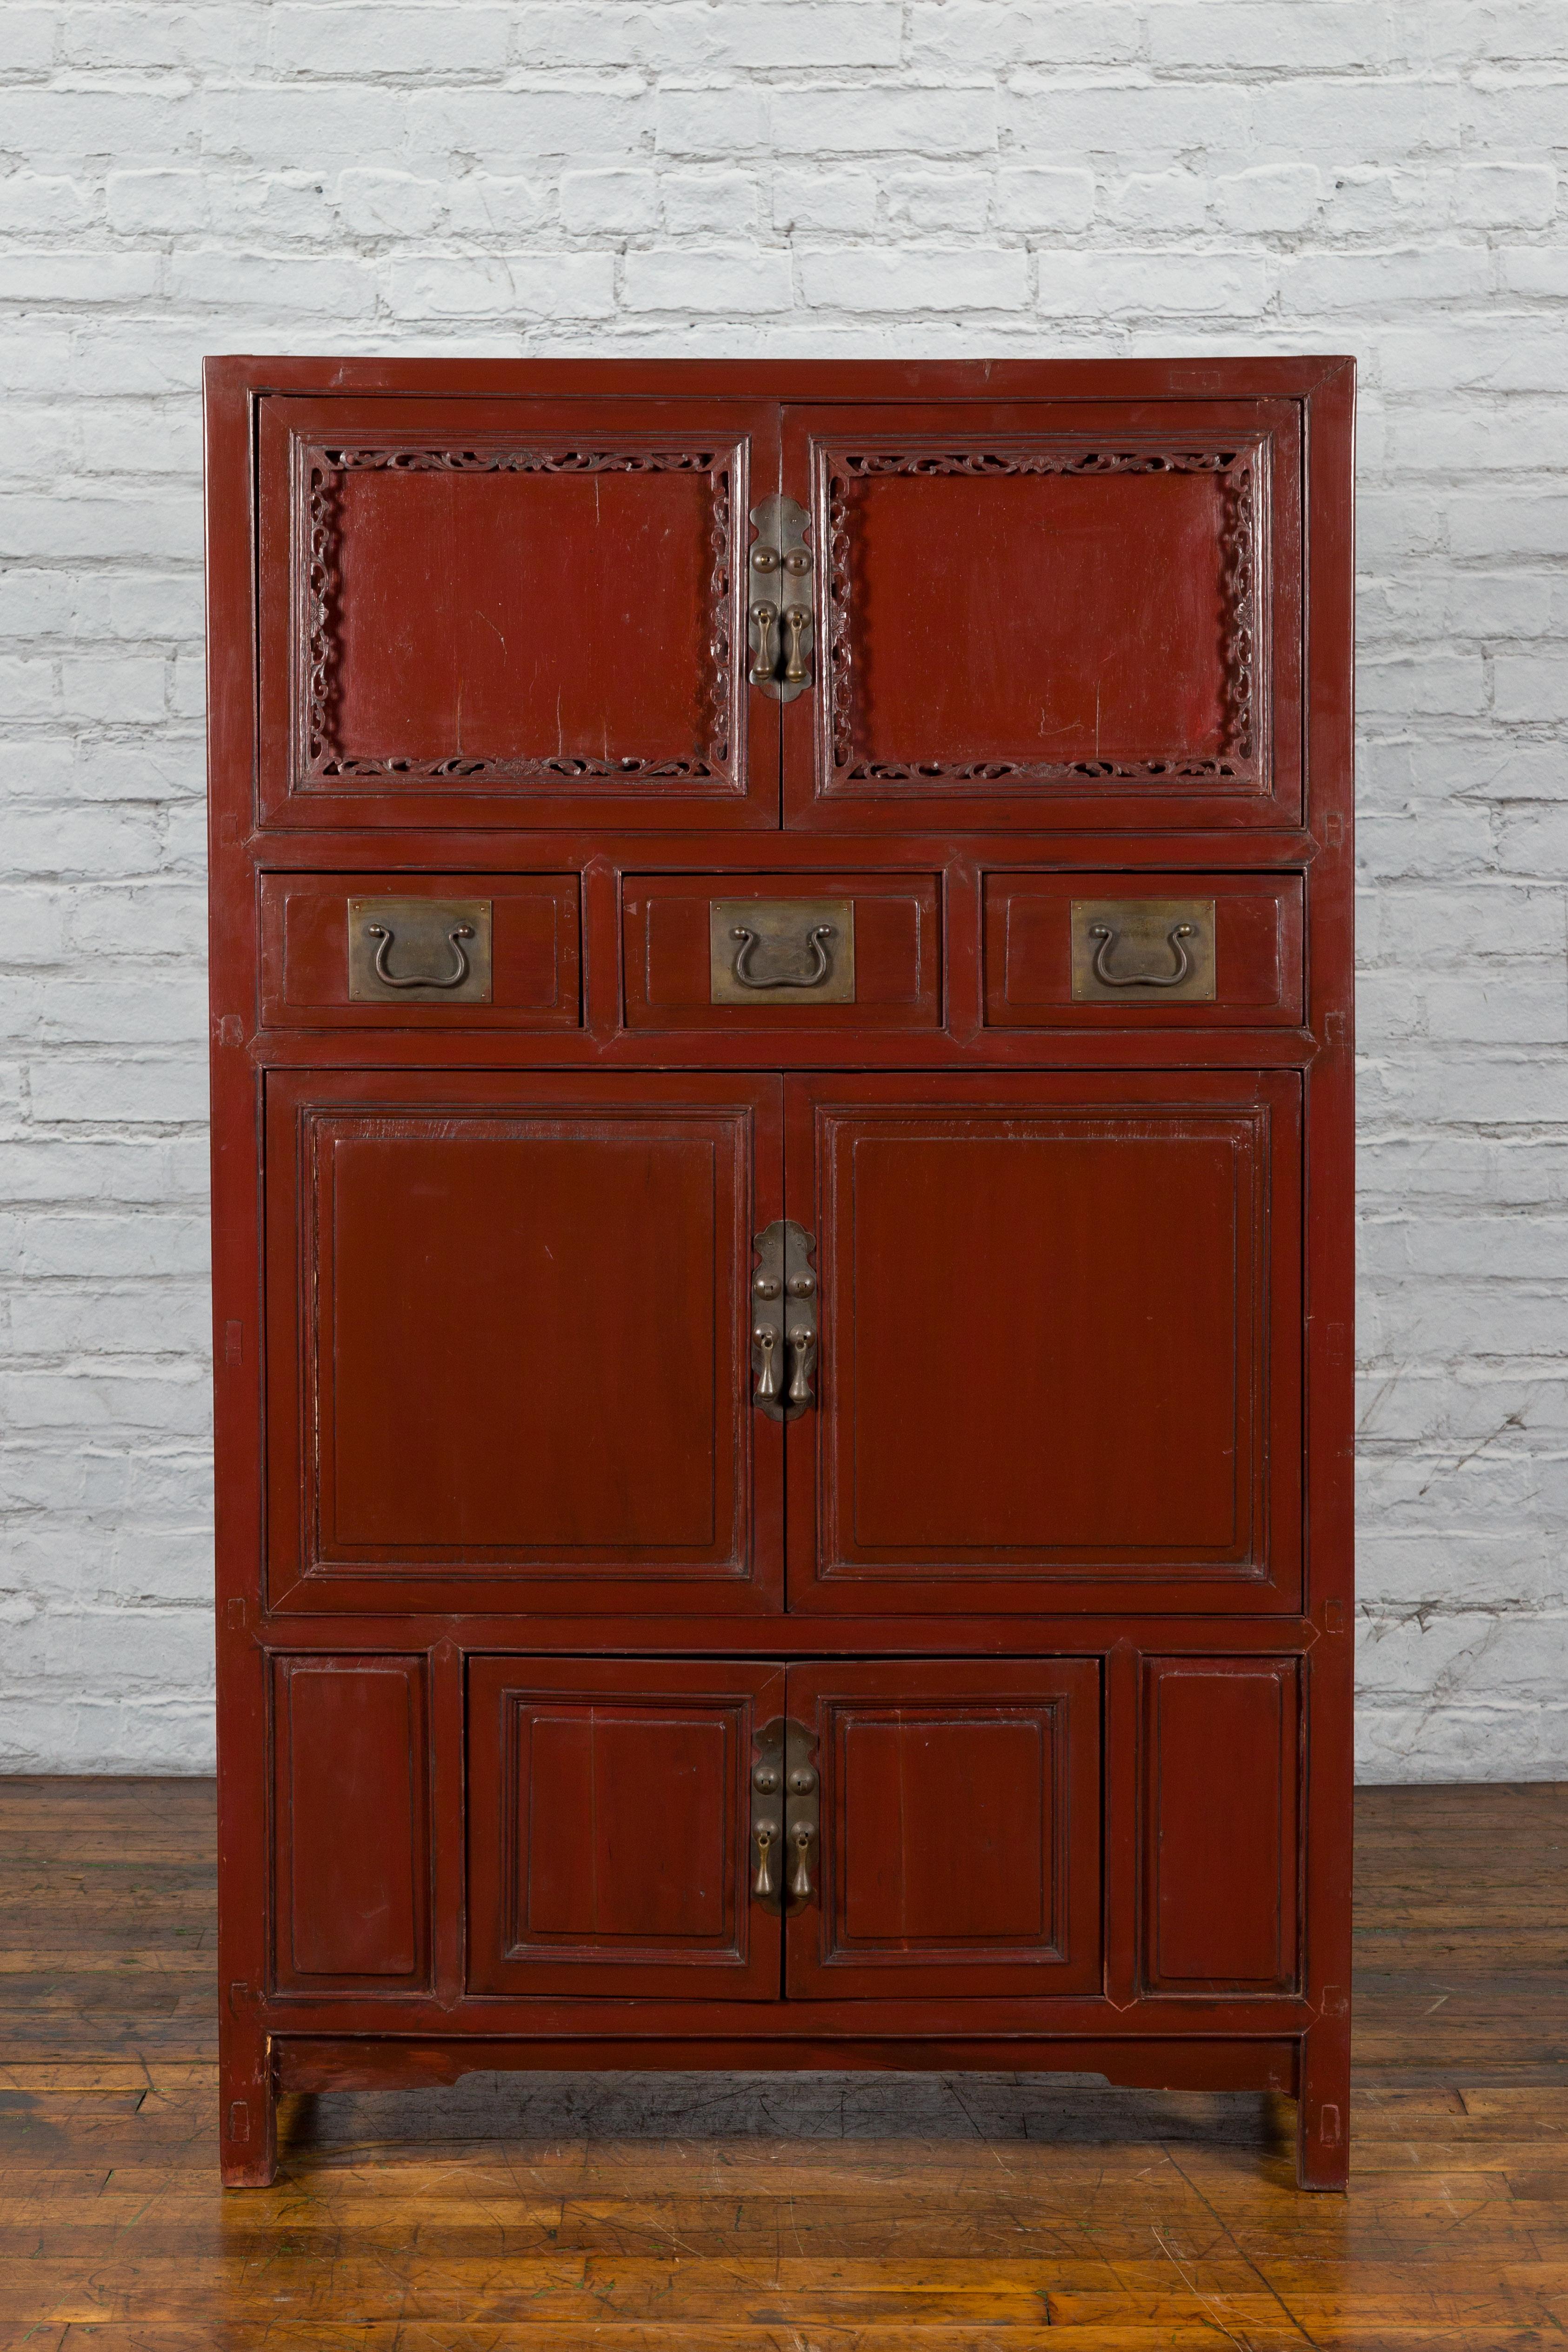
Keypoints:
(321, 475)
(1236, 759)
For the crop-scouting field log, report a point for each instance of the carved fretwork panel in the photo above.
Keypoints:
(503, 614)
(1039, 612)
(1057, 519)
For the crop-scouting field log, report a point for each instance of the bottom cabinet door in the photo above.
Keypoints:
(958, 1848)
(608, 1818)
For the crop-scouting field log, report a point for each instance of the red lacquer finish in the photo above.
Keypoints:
(1051, 1562)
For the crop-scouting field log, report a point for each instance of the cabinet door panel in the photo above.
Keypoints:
(1059, 1342)
(607, 1827)
(1221, 1840)
(508, 1341)
(481, 612)
(960, 1828)
(350, 1824)
(1051, 614)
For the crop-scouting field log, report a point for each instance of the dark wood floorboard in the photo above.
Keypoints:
(815, 2213)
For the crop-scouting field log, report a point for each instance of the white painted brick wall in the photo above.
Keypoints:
(803, 176)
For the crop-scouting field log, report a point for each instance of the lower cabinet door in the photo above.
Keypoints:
(609, 1821)
(958, 1848)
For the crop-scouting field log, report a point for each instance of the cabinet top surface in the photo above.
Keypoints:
(1263, 377)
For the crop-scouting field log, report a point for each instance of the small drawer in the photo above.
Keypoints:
(764, 950)
(427, 951)
(1177, 950)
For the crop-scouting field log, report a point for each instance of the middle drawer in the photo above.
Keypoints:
(721, 951)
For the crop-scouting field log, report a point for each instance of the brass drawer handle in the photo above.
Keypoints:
(791, 950)
(1175, 938)
(454, 978)
(821, 962)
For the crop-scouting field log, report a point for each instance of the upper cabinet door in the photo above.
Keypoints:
(1058, 1341)
(507, 1355)
(1058, 613)
(511, 612)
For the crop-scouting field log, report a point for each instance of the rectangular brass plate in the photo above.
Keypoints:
(777, 951)
(1130, 951)
(415, 940)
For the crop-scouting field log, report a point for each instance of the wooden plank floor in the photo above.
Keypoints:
(679, 2213)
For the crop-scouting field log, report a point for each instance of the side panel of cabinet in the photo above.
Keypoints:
(607, 1827)
(960, 1828)
(506, 1342)
(350, 1824)
(1059, 1342)
(1221, 1834)
(1051, 614)
(494, 611)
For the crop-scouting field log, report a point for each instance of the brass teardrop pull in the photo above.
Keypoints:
(764, 1884)
(801, 1869)
(765, 615)
(795, 619)
(802, 1349)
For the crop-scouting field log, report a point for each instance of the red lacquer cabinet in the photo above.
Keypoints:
(781, 994)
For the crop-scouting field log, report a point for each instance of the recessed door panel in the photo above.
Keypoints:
(960, 1828)
(1051, 614)
(526, 612)
(350, 1824)
(1221, 1842)
(508, 1341)
(1058, 1342)
(608, 1812)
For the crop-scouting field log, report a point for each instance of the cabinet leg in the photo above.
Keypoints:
(1322, 2109)
(247, 2113)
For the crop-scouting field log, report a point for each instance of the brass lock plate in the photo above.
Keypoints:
(1142, 952)
(778, 951)
(780, 621)
(786, 1816)
(419, 951)
(784, 1333)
